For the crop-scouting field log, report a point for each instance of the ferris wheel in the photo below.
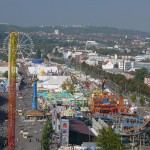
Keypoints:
(25, 46)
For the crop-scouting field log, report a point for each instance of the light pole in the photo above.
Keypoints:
(138, 95)
(89, 135)
(138, 90)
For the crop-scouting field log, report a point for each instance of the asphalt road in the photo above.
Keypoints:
(34, 128)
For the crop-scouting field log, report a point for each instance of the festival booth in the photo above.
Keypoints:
(70, 112)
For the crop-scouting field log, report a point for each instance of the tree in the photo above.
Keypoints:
(146, 60)
(57, 60)
(71, 88)
(140, 74)
(4, 57)
(133, 97)
(64, 86)
(38, 54)
(69, 57)
(47, 135)
(116, 66)
(108, 140)
(5, 74)
(142, 100)
(68, 85)
(44, 56)
(57, 53)
(149, 104)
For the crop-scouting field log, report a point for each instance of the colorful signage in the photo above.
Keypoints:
(65, 131)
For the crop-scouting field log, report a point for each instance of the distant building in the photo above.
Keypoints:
(116, 46)
(147, 80)
(90, 55)
(107, 65)
(76, 54)
(92, 62)
(83, 58)
(138, 58)
(91, 43)
(41, 69)
(66, 53)
(139, 65)
(56, 32)
(128, 65)
(125, 65)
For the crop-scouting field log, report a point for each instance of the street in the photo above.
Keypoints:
(34, 128)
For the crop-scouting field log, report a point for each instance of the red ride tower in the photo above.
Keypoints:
(12, 89)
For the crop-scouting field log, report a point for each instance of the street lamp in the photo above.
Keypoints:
(89, 135)
(138, 90)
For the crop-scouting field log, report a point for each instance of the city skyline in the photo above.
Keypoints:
(119, 14)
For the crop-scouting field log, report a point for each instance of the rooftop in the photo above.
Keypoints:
(79, 126)
(3, 64)
(147, 76)
(54, 80)
(34, 113)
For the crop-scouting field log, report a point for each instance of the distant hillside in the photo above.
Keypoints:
(74, 30)
(9, 28)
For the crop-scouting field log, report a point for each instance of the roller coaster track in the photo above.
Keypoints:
(135, 129)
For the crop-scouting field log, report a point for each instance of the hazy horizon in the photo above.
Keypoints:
(103, 13)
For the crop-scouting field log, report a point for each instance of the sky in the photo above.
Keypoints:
(124, 14)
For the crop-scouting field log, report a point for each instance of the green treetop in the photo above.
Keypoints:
(142, 100)
(141, 73)
(47, 135)
(133, 97)
(108, 140)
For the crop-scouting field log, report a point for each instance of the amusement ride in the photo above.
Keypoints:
(24, 45)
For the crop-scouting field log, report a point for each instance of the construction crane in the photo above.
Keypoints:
(12, 89)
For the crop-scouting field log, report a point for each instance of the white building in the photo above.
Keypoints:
(126, 65)
(77, 53)
(92, 62)
(116, 46)
(40, 68)
(91, 43)
(139, 58)
(66, 53)
(56, 32)
(107, 65)
(52, 82)
(92, 54)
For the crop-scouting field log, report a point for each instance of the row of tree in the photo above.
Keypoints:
(138, 98)
(125, 85)
(47, 135)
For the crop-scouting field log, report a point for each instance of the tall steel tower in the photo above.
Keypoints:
(34, 100)
(12, 89)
